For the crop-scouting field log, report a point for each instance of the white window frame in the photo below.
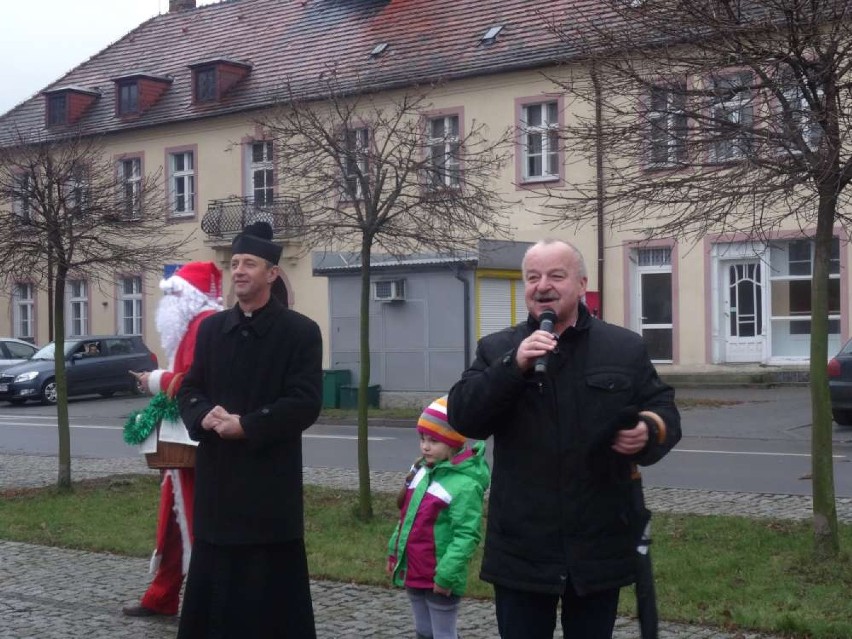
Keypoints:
(261, 173)
(131, 177)
(183, 180)
(355, 160)
(21, 201)
(23, 311)
(733, 104)
(785, 324)
(77, 307)
(78, 194)
(800, 112)
(667, 122)
(546, 134)
(443, 151)
(130, 305)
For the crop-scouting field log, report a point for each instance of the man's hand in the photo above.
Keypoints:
(536, 345)
(631, 441)
(226, 425)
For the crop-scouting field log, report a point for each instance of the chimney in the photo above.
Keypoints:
(181, 5)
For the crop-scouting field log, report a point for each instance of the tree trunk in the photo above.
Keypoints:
(365, 501)
(64, 479)
(826, 542)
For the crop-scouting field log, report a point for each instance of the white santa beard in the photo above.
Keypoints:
(175, 312)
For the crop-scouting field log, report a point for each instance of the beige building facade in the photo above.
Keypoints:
(725, 300)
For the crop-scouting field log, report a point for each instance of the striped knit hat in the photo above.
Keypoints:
(433, 422)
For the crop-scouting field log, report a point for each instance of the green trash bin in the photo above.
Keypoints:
(332, 380)
(349, 396)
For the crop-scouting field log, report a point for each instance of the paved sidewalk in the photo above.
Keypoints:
(52, 593)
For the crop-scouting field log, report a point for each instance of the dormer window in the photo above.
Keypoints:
(57, 109)
(66, 105)
(211, 80)
(135, 93)
(205, 85)
(128, 97)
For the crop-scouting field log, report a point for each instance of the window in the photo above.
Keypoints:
(182, 183)
(77, 308)
(355, 161)
(262, 173)
(801, 115)
(23, 307)
(205, 84)
(21, 201)
(131, 178)
(731, 118)
(667, 121)
(57, 109)
(791, 276)
(130, 305)
(128, 98)
(78, 194)
(540, 141)
(443, 148)
(491, 35)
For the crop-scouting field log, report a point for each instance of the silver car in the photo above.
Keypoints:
(14, 351)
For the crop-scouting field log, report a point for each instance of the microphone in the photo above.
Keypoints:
(546, 320)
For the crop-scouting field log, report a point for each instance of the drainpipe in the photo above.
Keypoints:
(600, 183)
(466, 302)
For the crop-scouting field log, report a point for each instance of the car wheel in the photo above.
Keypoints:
(842, 417)
(136, 387)
(48, 392)
(106, 393)
(17, 402)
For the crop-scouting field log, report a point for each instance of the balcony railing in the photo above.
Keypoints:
(229, 216)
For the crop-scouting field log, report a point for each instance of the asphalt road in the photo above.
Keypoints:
(758, 443)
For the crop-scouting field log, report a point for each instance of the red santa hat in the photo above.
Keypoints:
(205, 277)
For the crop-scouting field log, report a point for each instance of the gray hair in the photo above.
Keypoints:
(578, 256)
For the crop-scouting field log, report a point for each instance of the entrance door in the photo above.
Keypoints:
(655, 303)
(742, 308)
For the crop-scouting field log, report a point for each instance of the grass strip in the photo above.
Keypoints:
(730, 572)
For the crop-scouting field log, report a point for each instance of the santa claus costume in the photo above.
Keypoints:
(190, 295)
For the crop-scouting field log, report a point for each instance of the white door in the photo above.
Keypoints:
(743, 316)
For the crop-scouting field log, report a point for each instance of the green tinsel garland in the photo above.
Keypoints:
(141, 423)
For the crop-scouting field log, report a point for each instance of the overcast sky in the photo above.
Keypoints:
(41, 40)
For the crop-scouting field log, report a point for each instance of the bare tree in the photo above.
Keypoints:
(721, 116)
(373, 172)
(70, 209)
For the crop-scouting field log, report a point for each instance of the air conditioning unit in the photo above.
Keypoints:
(389, 290)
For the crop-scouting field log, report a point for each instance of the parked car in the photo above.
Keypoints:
(840, 385)
(93, 364)
(14, 351)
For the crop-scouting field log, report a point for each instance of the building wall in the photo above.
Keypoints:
(417, 343)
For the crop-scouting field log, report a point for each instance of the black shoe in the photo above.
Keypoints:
(141, 611)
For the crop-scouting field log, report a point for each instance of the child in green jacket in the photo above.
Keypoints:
(440, 523)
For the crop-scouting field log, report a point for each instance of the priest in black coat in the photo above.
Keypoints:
(255, 384)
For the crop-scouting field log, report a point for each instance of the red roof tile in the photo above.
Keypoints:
(296, 41)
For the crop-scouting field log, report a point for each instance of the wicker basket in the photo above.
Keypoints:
(171, 455)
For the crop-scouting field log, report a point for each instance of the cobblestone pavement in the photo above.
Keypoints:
(52, 593)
